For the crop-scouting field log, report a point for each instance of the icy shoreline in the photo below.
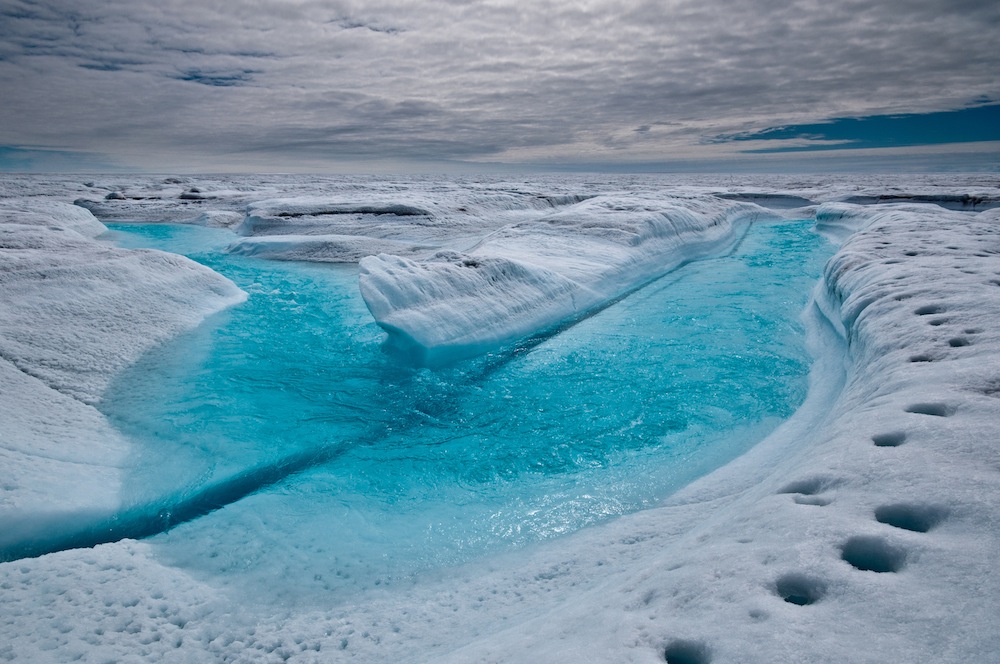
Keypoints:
(75, 311)
(909, 445)
(533, 275)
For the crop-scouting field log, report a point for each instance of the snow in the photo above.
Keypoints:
(74, 312)
(323, 248)
(873, 510)
(533, 275)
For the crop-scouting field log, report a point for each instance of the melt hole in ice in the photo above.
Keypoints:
(873, 554)
(935, 409)
(893, 439)
(819, 501)
(809, 486)
(799, 589)
(958, 342)
(918, 518)
(687, 652)
(928, 309)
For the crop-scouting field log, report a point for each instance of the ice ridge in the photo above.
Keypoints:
(539, 273)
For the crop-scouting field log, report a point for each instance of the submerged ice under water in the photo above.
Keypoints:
(355, 470)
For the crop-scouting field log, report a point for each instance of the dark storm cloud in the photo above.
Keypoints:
(172, 82)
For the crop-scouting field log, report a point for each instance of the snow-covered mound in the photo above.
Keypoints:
(535, 274)
(323, 248)
(347, 227)
(74, 312)
(53, 215)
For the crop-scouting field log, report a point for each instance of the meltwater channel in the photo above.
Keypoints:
(355, 470)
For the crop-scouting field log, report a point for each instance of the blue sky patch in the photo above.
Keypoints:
(980, 123)
(23, 159)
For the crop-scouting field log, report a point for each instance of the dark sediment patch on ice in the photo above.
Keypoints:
(396, 209)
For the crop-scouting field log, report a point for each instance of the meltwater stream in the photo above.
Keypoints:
(337, 469)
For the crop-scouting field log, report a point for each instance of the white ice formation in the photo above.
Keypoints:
(74, 312)
(863, 530)
(535, 274)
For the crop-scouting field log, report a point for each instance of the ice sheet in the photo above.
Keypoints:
(785, 555)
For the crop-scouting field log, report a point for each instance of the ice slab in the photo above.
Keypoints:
(532, 275)
(73, 312)
(323, 248)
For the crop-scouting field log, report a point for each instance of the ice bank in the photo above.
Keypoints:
(75, 311)
(533, 275)
(865, 530)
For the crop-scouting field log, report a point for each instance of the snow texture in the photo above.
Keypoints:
(533, 275)
(323, 248)
(863, 530)
(74, 312)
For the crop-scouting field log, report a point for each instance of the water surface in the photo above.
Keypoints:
(370, 471)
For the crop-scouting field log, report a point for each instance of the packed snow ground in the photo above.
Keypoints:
(865, 529)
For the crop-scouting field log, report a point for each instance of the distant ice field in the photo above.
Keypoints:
(335, 468)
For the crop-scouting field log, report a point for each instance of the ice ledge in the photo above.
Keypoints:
(73, 312)
(531, 276)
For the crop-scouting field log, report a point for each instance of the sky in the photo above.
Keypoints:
(400, 85)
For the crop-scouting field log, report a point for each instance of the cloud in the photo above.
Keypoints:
(162, 84)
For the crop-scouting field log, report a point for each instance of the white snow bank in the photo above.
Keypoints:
(322, 248)
(535, 274)
(59, 457)
(76, 311)
(451, 218)
(219, 219)
(53, 215)
(73, 312)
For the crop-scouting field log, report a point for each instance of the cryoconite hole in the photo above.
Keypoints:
(935, 409)
(873, 554)
(892, 439)
(799, 589)
(687, 652)
(810, 486)
(918, 518)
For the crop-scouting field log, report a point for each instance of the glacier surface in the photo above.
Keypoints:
(533, 275)
(862, 530)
